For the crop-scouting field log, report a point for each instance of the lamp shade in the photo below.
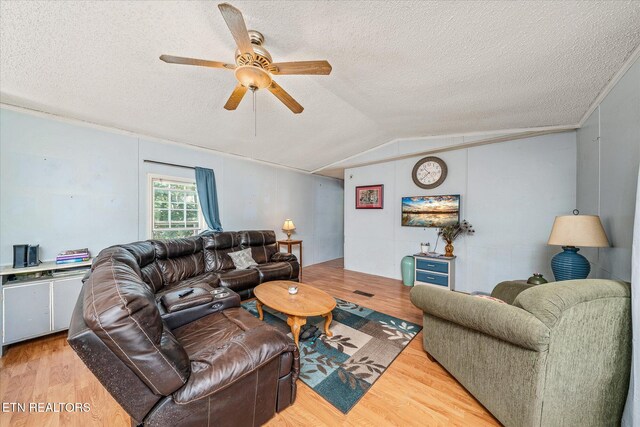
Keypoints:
(578, 230)
(288, 225)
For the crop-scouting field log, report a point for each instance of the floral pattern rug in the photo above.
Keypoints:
(341, 368)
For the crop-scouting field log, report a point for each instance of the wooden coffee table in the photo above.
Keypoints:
(309, 301)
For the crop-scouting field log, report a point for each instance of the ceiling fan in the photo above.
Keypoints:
(254, 67)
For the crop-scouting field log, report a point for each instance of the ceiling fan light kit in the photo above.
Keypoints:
(253, 78)
(254, 66)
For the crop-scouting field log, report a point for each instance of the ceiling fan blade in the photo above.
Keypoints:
(193, 61)
(235, 22)
(286, 99)
(236, 97)
(301, 67)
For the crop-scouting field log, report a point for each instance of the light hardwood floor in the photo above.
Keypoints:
(413, 391)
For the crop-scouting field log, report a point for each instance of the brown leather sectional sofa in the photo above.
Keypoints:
(160, 325)
(177, 260)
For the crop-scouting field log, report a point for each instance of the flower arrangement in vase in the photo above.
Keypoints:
(451, 233)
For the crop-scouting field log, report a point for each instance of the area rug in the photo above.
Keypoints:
(341, 368)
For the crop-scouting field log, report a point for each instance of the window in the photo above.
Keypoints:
(175, 211)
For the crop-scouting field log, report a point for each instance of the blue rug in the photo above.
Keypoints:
(341, 368)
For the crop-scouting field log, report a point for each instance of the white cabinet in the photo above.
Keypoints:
(64, 294)
(27, 311)
(37, 307)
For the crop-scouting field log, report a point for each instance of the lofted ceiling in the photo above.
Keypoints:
(400, 69)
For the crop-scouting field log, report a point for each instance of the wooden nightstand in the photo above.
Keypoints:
(289, 244)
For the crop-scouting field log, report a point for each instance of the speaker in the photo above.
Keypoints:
(33, 256)
(26, 256)
(20, 255)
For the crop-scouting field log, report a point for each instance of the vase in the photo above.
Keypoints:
(407, 266)
(570, 265)
(448, 250)
(536, 279)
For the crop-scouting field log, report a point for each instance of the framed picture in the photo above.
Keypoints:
(370, 197)
(430, 211)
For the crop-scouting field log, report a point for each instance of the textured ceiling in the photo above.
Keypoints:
(400, 69)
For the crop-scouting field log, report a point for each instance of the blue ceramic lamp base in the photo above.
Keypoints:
(570, 265)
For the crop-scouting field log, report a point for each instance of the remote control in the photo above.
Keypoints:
(184, 294)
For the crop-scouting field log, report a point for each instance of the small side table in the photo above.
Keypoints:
(289, 244)
(435, 271)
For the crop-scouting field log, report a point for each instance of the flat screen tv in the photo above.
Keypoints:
(430, 211)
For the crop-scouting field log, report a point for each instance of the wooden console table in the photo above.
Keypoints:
(289, 244)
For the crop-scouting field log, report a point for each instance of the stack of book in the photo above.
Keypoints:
(73, 256)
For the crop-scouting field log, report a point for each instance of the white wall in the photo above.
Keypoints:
(510, 192)
(65, 185)
(608, 157)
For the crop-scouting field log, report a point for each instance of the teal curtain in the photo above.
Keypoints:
(208, 196)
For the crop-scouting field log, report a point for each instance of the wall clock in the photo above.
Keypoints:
(429, 172)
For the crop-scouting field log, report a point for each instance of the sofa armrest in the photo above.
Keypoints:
(502, 321)
(184, 298)
(225, 364)
(190, 314)
(508, 291)
(283, 257)
(547, 302)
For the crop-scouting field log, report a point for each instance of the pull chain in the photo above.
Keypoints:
(255, 115)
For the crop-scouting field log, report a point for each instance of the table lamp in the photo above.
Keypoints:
(570, 231)
(288, 227)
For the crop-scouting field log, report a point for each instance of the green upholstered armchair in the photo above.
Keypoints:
(557, 354)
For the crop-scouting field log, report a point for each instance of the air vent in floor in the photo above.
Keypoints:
(366, 294)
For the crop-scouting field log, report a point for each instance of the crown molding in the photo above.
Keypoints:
(92, 125)
(487, 141)
(492, 137)
(611, 84)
